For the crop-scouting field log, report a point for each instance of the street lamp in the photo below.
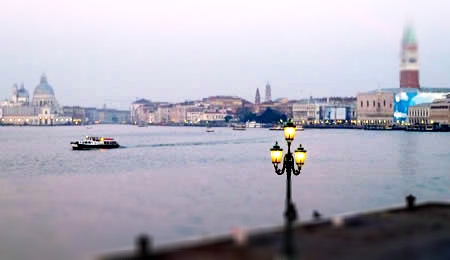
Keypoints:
(289, 162)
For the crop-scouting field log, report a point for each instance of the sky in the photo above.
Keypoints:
(112, 52)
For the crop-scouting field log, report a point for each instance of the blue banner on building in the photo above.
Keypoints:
(404, 99)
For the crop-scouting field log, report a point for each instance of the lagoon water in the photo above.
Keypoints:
(181, 183)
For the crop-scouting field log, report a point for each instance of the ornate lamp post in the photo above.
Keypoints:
(299, 157)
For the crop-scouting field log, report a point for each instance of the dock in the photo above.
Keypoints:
(414, 231)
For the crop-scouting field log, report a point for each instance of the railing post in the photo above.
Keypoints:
(143, 247)
(410, 202)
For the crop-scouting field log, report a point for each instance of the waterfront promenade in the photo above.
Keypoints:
(411, 232)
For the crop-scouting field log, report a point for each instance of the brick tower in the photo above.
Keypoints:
(409, 66)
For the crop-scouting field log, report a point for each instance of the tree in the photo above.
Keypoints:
(271, 116)
(245, 114)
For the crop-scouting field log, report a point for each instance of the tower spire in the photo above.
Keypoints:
(268, 93)
(257, 97)
(43, 78)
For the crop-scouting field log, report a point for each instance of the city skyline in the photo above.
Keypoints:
(175, 51)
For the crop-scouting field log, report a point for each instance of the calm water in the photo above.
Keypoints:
(179, 183)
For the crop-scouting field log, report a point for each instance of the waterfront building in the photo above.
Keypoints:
(375, 107)
(440, 111)
(419, 114)
(76, 113)
(42, 110)
(336, 113)
(194, 115)
(214, 115)
(139, 110)
(113, 116)
(170, 113)
(268, 93)
(161, 115)
(177, 113)
(92, 115)
(230, 103)
(320, 110)
(437, 112)
(197, 115)
(180, 111)
(302, 113)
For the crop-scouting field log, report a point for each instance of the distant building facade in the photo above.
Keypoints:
(142, 111)
(419, 114)
(77, 113)
(231, 103)
(113, 116)
(376, 107)
(437, 112)
(440, 111)
(321, 110)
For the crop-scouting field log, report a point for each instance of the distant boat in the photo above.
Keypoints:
(299, 128)
(209, 129)
(239, 127)
(250, 124)
(94, 142)
(276, 128)
(253, 124)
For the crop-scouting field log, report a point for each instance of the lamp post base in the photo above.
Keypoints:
(290, 216)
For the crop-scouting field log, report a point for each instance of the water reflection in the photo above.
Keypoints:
(407, 162)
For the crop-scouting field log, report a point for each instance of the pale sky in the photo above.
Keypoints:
(105, 51)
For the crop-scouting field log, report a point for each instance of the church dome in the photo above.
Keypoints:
(44, 88)
(22, 92)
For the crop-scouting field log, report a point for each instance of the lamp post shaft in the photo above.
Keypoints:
(290, 214)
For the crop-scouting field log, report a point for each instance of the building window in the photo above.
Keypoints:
(367, 103)
(384, 102)
(361, 104)
(374, 103)
(379, 104)
(390, 105)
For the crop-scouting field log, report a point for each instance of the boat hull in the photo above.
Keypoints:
(78, 146)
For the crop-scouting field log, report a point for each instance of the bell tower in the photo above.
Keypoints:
(409, 65)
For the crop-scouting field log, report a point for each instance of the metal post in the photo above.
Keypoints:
(143, 247)
(290, 214)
